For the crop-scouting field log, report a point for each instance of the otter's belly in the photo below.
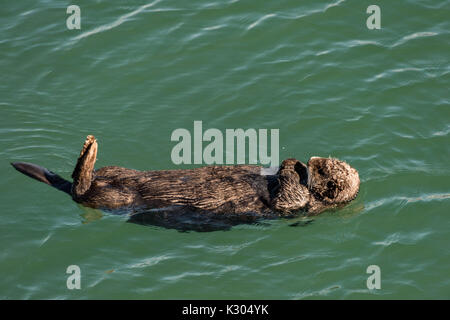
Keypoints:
(213, 189)
(224, 190)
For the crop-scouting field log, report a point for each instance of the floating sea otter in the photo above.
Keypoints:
(207, 198)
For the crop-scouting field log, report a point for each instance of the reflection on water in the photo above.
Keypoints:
(90, 215)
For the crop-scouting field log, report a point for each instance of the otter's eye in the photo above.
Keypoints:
(331, 190)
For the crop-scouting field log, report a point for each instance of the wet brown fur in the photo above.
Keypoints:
(224, 194)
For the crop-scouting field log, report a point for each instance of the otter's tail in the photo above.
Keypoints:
(41, 174)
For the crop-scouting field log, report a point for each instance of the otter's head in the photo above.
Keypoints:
(332, 181)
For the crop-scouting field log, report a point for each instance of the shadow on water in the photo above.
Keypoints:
(301, 223)
(185, 219)
(180, 218)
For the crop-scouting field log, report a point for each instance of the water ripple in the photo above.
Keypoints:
(179, 277)
(414, 36)
(254, 24)
(403, 199)
(116, 23)
(148, 262)
(403, 238)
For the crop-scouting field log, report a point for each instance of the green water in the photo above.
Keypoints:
(136, 71)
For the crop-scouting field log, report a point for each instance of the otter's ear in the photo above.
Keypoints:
(332, 181)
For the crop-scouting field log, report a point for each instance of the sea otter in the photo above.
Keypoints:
(206, 198)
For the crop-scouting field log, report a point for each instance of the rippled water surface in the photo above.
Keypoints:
(137, 70)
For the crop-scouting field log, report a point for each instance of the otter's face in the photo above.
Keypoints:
(332, 181)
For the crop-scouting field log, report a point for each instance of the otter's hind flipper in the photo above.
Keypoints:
(44, 175)
(83, 173)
